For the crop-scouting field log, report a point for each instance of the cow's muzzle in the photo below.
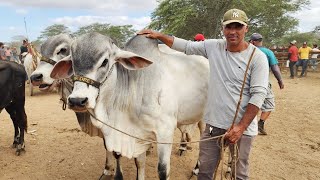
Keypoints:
(78, 104)
(36, 79)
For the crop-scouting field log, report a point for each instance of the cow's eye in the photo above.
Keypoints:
(62, 51)
(104, 63)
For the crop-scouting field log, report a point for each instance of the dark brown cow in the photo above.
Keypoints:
(12, 98)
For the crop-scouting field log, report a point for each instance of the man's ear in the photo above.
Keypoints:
(247, 29)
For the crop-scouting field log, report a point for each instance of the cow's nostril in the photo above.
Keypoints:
(36, 77)
(80, 102)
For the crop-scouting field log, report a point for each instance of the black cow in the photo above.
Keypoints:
(12, 98)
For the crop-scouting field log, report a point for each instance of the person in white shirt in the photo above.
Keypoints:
(314, 57)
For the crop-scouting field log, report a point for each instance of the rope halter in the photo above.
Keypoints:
(48, 60)
(92, 82)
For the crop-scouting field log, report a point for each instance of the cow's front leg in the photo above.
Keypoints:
(164, 152)
(140, 164)
(108, 168)
(118, 175)
(165, 134)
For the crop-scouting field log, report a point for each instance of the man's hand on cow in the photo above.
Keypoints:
(281, 85)
(234, 133)
(149, 33)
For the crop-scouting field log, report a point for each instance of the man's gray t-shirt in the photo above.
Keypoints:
(226, 76)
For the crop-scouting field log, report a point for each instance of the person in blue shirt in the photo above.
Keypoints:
(269, 104)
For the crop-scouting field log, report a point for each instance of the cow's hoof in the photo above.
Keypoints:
(20, 149)
(106, 177)
(189, 148)
(181, 152)
(195, 171)
(14, 145)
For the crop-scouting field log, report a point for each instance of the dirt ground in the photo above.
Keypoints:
(57, 149)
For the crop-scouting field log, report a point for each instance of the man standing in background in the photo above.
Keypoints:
(304, 53)
(2, 52)
(269, 104)
(293, 57)
(314, 57)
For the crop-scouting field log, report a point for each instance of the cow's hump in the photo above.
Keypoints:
(142, 45)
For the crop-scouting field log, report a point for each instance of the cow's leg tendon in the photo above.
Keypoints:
(140, 164)
(108, 168)
(118, 174)
(22, 123)
(183, 147)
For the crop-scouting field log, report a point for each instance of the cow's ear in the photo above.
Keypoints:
(63, 69)
(131, 60)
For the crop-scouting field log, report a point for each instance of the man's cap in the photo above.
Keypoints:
(235, 15)
(255, 37)
(304, 42)
(293, 42)
(199, 37)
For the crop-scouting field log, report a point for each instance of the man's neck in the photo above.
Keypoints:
(238, 48)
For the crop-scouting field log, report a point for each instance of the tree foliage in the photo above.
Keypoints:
(185, 18)
(53, 30)
(120, 34)
(18, 38)
(309, 37)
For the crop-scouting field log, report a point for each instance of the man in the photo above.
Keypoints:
(314, 57)
(23, 48)
(304, 52)
(293, 57)
(199, 37)
(228, 59)
(269, 104)
(2, 52)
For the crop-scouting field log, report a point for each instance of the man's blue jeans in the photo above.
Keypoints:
(304, 64)
(313, 62)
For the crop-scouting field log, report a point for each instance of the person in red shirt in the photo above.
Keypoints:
(293, 53)
(199, 37)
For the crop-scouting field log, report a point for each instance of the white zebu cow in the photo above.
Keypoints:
(30, 64)
(188, 130)
(148, 103)
(53, 50)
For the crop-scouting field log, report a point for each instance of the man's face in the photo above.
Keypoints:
(234, 33)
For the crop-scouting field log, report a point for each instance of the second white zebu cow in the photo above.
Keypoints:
(116, 88)
(53, 50)
(30, 63)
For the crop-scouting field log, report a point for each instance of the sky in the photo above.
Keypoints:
(76, 13)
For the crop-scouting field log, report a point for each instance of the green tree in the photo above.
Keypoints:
(120, 34)
(271, 18)
(310, 37)
(18, 38)
(185, 18)
(53, 30)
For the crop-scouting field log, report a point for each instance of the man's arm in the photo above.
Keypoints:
(277, 74)
(235, 132)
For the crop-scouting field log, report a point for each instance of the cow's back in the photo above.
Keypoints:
(12, 81)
